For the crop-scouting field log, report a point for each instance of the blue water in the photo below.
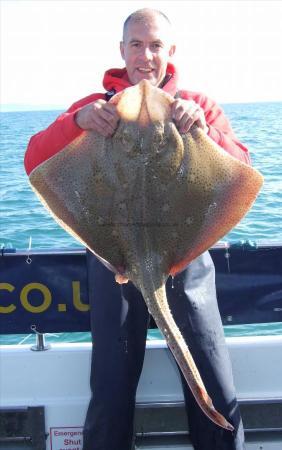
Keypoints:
(257, 125)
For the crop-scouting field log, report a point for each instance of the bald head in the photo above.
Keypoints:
(145, 16)
(147, 46)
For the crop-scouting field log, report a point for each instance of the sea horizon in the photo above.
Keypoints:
(15, 107)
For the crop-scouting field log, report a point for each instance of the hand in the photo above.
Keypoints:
(187, 112)
(98, 116)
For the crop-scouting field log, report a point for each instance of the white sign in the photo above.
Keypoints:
(66, 438)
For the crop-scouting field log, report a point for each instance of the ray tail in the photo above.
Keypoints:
(156, 300)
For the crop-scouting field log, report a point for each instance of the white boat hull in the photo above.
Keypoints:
(58, 380)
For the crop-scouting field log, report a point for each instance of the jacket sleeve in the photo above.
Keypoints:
(220, 130)
(50, 141)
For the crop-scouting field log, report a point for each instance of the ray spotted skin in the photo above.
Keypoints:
(147, 201)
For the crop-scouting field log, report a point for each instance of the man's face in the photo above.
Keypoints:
(146, 50)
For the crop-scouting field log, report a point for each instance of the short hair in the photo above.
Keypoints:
(141, 15)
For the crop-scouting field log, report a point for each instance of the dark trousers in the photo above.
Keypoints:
(119, 320)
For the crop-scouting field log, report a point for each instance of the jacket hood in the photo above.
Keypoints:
(117, 80)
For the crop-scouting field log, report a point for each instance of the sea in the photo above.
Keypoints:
(25, 223)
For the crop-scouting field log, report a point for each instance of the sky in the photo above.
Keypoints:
(54, 52)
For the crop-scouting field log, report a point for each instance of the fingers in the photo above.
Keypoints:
(185, 113)
(105, 118)
(187, 119)
(99, 116)
(201, 121)
(180, 107)
(103, 122)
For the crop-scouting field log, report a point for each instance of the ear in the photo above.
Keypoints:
(172, 51)
(121, 47)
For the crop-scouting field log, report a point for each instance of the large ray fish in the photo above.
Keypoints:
(147, 202)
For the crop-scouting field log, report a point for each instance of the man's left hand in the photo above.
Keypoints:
(187, 112)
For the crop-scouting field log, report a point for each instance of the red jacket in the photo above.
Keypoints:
(60, 133)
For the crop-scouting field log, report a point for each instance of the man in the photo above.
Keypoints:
(119, 316)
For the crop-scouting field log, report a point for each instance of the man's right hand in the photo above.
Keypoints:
(98, 116)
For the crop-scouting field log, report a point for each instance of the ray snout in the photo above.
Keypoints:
(143, 104)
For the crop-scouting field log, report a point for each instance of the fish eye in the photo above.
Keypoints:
(125, 137)
(123, 134)
(168, 137)
(161, 138)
